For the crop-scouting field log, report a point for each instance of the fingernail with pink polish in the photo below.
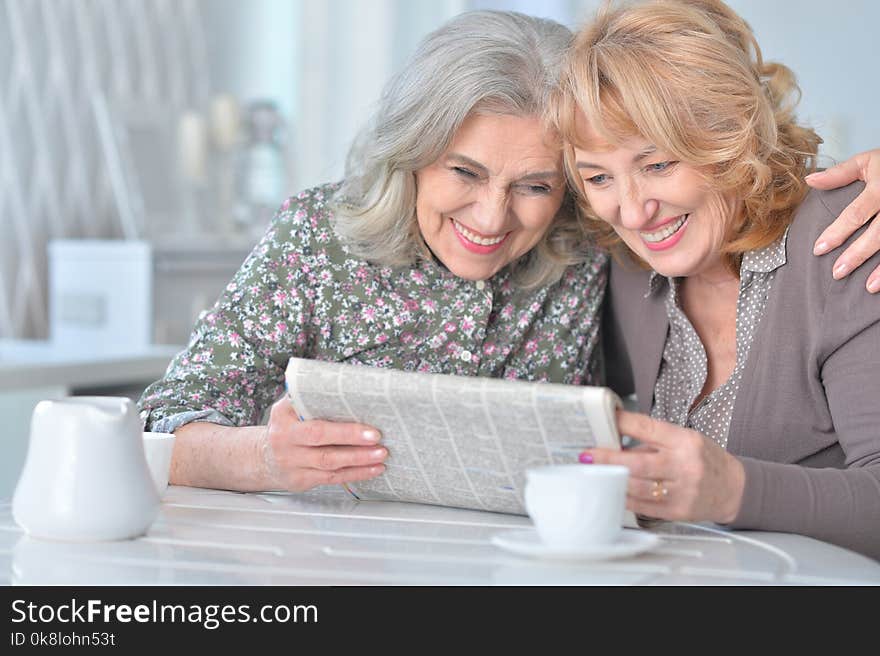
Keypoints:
(586, 458)
(821, 248)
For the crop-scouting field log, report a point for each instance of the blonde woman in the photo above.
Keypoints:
(756, 373)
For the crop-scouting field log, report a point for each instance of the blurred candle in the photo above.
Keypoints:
(225, 121)
(193, 144)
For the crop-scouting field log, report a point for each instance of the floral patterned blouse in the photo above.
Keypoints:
(302, 293)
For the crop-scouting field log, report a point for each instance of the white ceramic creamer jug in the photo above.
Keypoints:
(85, 477)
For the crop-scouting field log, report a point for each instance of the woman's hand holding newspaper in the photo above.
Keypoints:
(299, 455)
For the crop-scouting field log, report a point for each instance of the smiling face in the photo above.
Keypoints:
(663, 209)
(492, 195)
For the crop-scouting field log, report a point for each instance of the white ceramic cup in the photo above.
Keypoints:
(85, 477)
(577, 506)
(158, 448)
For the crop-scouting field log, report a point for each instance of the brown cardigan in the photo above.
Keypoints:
(806, 423)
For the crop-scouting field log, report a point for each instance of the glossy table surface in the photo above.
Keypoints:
(325, 537)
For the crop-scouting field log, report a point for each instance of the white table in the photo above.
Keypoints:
(327, 538)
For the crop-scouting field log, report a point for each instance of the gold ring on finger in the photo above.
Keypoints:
(658, 490)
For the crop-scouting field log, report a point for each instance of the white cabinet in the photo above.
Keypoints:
(116, 296)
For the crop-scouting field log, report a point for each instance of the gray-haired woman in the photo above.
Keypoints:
(450, 247)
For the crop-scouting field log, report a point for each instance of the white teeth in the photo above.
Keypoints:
(482, 241)
(666, 232)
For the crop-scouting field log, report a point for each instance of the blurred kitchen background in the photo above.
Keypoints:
(144, 145)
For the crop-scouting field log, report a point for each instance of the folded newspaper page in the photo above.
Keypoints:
(452, 440)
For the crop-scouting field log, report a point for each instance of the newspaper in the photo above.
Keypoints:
(456, 441)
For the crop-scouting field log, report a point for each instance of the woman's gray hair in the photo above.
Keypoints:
(489, 61)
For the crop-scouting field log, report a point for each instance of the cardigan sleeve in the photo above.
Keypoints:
(841, 506)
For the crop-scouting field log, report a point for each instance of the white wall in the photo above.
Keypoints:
(348, 49)
(833, 50)
(253, 50)
(326, 61)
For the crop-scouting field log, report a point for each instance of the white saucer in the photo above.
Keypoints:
(527, 543)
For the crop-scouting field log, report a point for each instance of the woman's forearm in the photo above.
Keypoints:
(221, 457)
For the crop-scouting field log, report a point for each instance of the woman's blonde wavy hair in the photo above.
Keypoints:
(688, 76)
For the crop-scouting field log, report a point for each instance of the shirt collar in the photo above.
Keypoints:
(762, 260)
(767, 259)
(655, 283)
